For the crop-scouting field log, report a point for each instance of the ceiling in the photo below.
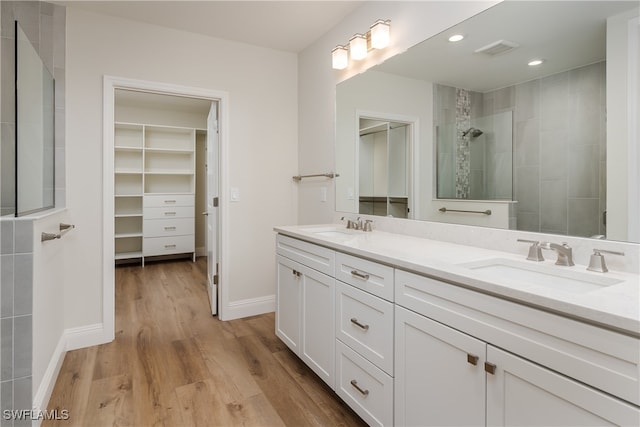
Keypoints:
(566, 34)
(282, 25)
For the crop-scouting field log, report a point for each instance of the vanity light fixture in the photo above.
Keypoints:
(360, 44)
(535, 62)
(358, 47)
(339, 58)
(456, 38)
(380, 34)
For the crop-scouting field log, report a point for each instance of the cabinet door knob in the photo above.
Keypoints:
(359, 275)
(358, 324)
(355, 385)
(490, 368)
(473, 359)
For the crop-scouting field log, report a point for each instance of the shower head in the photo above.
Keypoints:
(473, 131)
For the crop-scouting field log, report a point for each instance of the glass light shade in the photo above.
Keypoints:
(339, 58)
(380, 34)
(358, 47)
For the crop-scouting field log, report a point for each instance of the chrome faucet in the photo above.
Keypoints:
(535, 252)
(353, 224)
(564, 251)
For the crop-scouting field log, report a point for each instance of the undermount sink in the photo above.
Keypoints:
(330, 231)
(549, 276)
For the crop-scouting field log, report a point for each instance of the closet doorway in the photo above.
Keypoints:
(163, 174)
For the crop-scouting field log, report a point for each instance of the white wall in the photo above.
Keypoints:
(262, 87)
(411, 22)
(619, 55)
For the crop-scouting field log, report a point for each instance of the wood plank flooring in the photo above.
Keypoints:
(173, 364)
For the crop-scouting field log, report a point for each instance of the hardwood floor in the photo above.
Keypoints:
(173, 364)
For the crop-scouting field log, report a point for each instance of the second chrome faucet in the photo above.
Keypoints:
(564, 251)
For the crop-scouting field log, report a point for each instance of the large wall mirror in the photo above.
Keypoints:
(490, 140)
(34, 130)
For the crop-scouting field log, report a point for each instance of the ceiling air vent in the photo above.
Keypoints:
(497, 48)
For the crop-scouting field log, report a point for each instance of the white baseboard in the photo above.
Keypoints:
(250, 307)
(71, 339)
(86, 336)
(45, 388)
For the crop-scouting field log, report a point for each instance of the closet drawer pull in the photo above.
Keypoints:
(356, 273)
(169, 201)
(473, 359)
(170, 228)
(355, 385)
(169, 246)
(169, 213)
(358, 324)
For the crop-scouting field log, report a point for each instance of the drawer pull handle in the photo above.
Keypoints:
(355, 385)
(359, 275)
(296, 273)
(169, 201)
(490, 368)
(169, 213)
(169, 246)
(169, 228)
(473, 359)
(358, 324)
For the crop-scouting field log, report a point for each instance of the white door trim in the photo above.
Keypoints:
(110, 84)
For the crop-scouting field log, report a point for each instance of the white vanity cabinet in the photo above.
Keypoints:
(305, 301)
(364, 332)
(448, 361)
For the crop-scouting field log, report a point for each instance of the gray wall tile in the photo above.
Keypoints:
(584, 217)
(23, 236)
(23, 284)
(6, 358)
(6, 286)
(22, 398)
(6, 237)
(22, 346)
(6, 402)
(553, 205)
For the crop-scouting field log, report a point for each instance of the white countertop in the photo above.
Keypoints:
(615, 306)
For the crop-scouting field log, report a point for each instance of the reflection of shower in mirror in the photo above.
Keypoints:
(473, 131)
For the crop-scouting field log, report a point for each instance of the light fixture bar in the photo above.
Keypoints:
(360, 44)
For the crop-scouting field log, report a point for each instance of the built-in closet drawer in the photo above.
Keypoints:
(314, 256)
(153, 246)
(157, 201)
(364, 387)
(602, 358)
(365, 323)
(168, 227)
(366, 275)
(169, 212)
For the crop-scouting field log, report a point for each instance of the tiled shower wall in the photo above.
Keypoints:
(44, 24)
(559, 149)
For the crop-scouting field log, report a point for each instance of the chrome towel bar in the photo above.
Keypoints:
(298, 178)
(64, 228)
(445, 210)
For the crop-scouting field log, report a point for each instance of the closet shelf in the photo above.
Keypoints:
(127, 235)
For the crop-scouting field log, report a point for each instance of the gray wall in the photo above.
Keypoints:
(559, 150)
(44, 25)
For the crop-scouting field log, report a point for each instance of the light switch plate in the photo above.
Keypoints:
(235, 194)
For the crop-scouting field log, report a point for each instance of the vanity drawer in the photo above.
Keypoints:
(169, 212)
(365, 323)
(601, 358)
(364, 387)
(157, 201)
(314, 256)
(168, 227)
(153, 246)
(366, 275)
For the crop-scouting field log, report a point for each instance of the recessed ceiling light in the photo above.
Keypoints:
(535, 62)
(456, 38)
